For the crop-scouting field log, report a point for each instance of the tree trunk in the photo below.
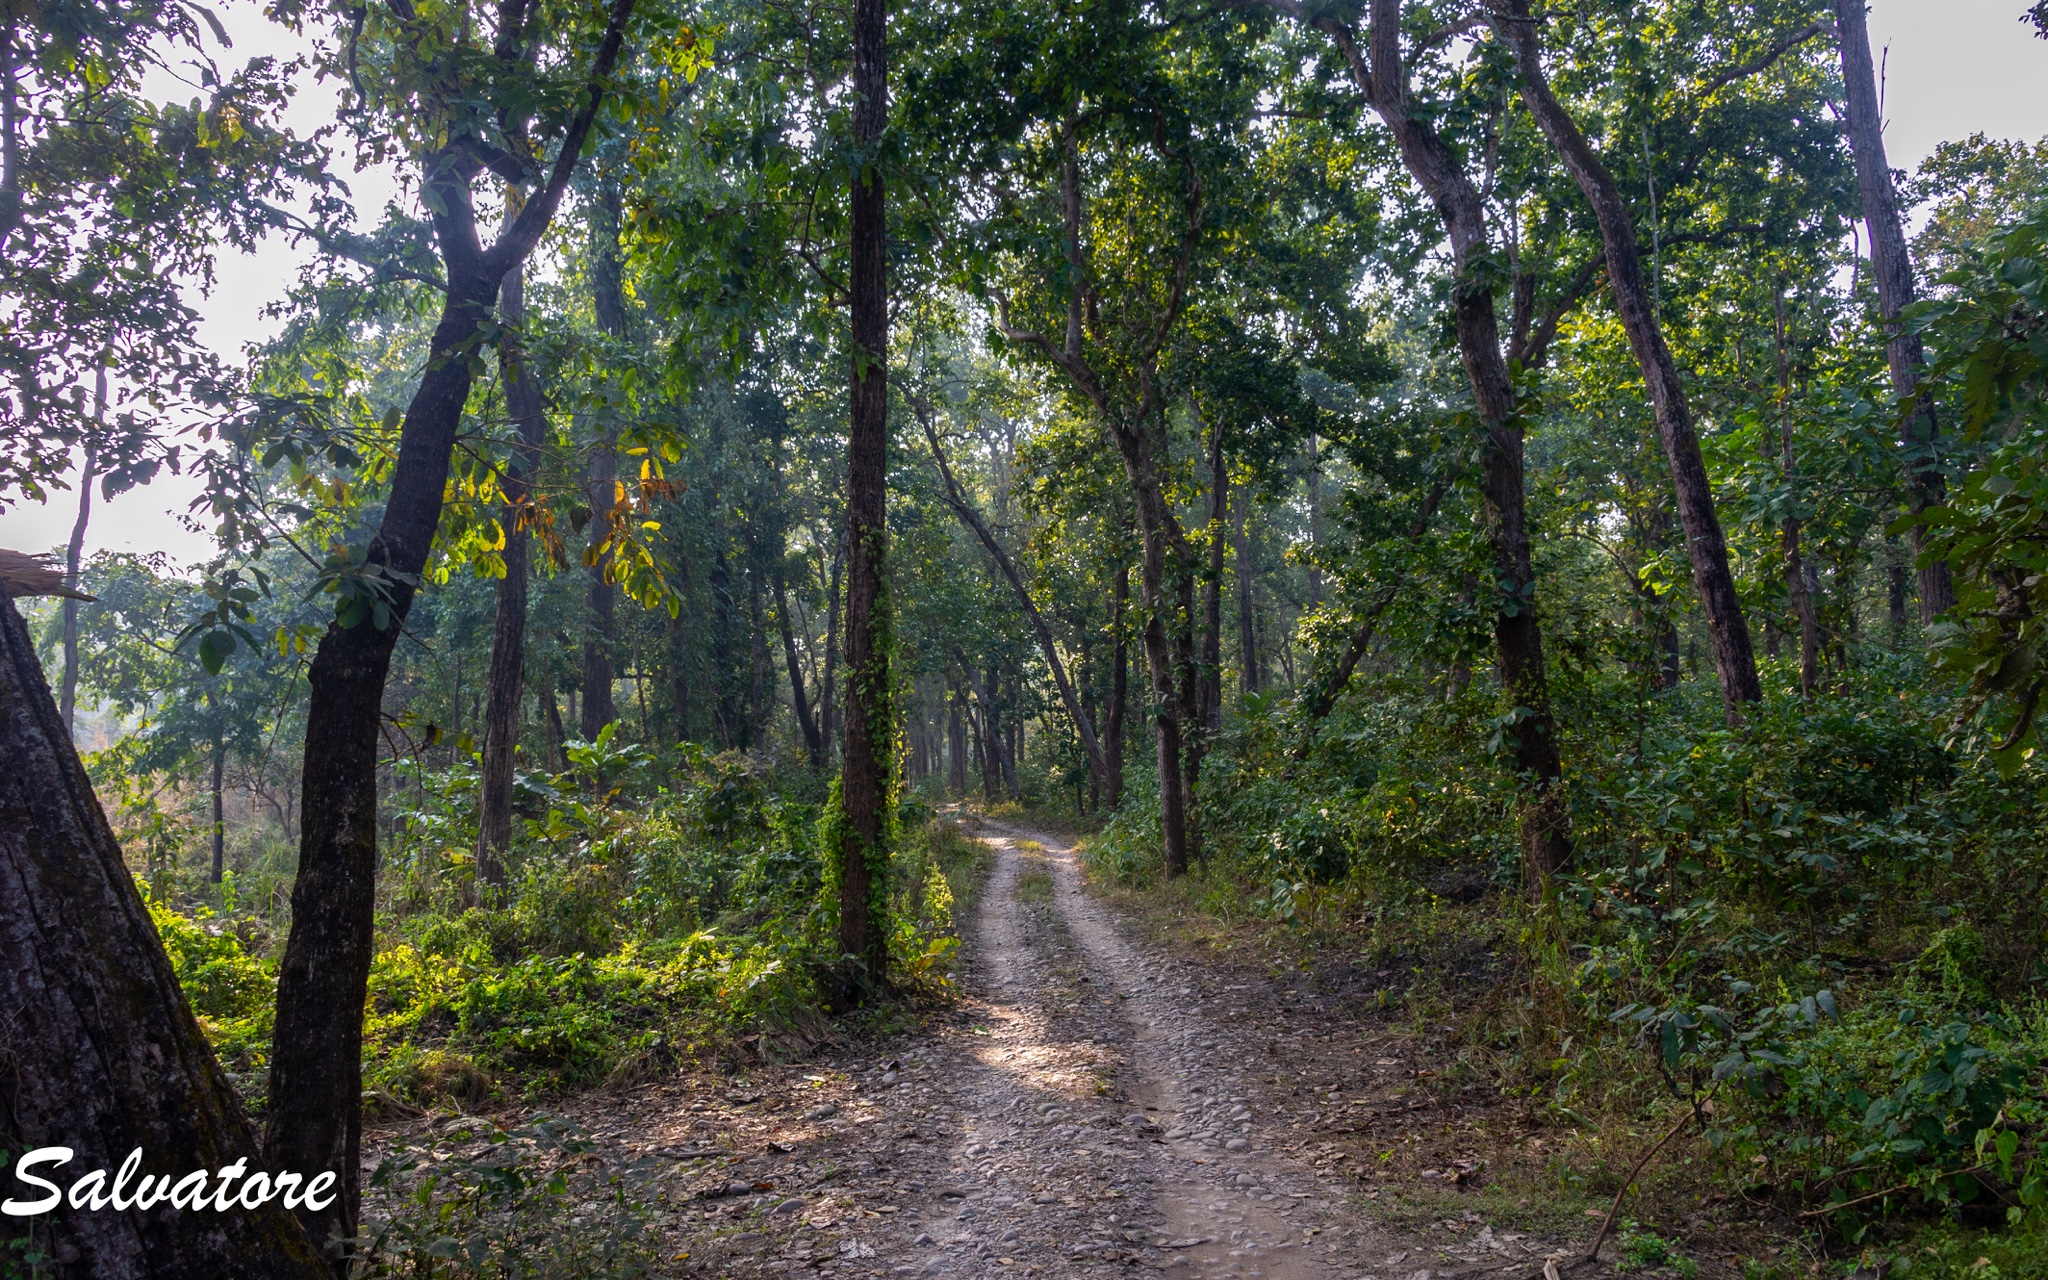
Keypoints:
(74, 551)
(990, 737)
(601, 482)
(828, 724)
(731, 729)
(956, 743)
(758, 664)
(991, 755)
(801, 701)
(316, 1071)
(1704, 543)
(102, 1053)
(1543, 818)
(507, 678)
(220, 828)
(315, 1119)
(1250, 679)
(866, 790)
(558, 736)
(1119, 689)
(1788, 530)
(1893, 267)
(1212, 589)
(1010, 740)
(1159, 663)
(608, 300)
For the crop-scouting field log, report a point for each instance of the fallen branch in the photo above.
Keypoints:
(1607, 1222)
(1826, 1209)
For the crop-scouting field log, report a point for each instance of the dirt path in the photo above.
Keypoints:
(1095, 1107)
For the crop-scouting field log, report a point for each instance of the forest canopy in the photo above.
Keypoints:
(1428, 479)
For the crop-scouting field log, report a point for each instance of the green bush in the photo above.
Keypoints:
(232, 993)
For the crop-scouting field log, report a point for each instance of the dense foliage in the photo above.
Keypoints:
(1201, 515)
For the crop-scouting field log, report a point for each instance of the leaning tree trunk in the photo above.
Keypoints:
(101, 1052)
(1704, 543)
(316, 1070)
(1893, 267)
(1544, 820)
(956, 498)
(865, 786)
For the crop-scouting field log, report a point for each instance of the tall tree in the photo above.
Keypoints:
(1382, 78)
(102, 1053)
(866, 789)
(601, 470)
(1705, 544)
(1893, 268)
(505, 685)
(315, 1119)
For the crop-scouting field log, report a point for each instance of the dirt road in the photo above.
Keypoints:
(1096, 1108)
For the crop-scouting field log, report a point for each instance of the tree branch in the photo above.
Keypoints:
(1779, 48)
(518, 240)
(956, 498)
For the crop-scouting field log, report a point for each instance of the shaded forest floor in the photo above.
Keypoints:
(1121, 1087)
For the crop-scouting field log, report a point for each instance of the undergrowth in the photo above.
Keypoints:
(658, 912)
(1815, 946)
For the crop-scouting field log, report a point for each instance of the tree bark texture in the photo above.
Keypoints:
(865, 790)
(1705, 544)
(1893, 268)
(506, 682)
(99, 1051)
(315, 1120)
(220, 826)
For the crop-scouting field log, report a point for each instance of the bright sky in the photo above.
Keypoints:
(1951, 67)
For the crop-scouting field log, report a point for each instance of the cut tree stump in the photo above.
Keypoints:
(98, 1050)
